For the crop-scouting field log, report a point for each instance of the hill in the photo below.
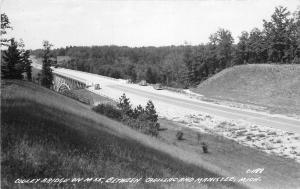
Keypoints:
(276, 87)
(47, 135)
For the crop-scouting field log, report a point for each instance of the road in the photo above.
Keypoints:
(171, 104)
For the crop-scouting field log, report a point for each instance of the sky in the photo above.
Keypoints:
(133, 23)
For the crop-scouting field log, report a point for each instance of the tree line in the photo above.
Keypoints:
(15, 60)
(183, 66)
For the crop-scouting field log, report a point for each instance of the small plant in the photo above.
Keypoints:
(179, 135)
(204, 147)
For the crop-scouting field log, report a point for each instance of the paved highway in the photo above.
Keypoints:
(168, 102)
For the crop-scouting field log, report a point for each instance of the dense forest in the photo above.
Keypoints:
(182, 66)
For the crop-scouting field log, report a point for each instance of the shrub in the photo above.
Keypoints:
(179, 135)
(204, 147)
(109, 111)
(142, 119)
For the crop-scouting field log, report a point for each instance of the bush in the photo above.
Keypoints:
(204, 147)
(179, 135)
(109, 111)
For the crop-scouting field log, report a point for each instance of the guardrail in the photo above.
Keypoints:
(71, 77)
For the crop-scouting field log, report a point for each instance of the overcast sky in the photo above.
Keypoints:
(133, 23)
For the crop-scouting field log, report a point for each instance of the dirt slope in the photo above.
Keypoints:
(274, 86)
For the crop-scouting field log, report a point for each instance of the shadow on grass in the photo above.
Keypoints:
(41, 141)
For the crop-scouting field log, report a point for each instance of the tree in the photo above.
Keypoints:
(242, 50)
(27, 64)
(257, 47)
(12, 66)
(150, 76)
(138, 111)
(296, 36)
(188, 59)
(5, 24)
(172, 68)
(151, 117)
(130, 72)
(278, 32)
(150, 112)
(223, 41)
(125, 106)
(47, 76)
(25, 58)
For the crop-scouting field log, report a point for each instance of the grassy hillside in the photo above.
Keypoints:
(47, 135)
(274, 86)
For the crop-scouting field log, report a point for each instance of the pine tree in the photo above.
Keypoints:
(151, 112)
(27, 64)
(125, 106)
(278, 36)
(47, 76)
(12, 66)
(139, 110)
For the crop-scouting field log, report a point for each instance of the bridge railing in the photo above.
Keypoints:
(68, 76)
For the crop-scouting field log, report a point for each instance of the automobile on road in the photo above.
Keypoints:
(158, 86)
(143, 83)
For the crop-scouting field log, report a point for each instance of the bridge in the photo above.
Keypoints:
(64, 82)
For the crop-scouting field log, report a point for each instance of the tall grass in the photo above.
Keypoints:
(41, 139)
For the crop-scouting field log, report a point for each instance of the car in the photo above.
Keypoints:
(143, 83)
(158, 86)
(129, 81)
(97, 86)
(88, 84)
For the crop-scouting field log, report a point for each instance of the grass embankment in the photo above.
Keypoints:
(276, 87)
(47, 135)
(279, 172)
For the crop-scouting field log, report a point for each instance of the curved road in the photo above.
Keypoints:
(286, 124)
(174, 100)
